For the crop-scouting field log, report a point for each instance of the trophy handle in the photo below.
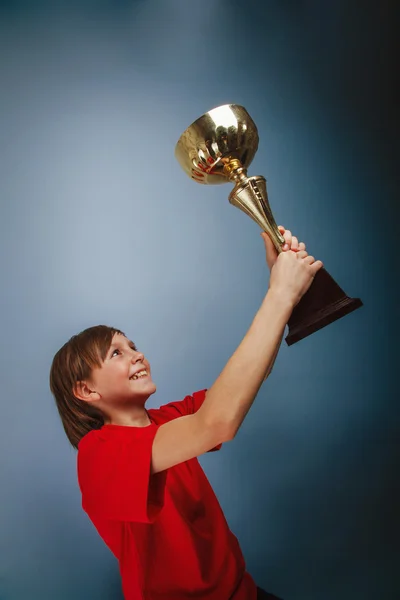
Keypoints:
(322, 304)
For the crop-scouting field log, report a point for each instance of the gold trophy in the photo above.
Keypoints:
(218, 148)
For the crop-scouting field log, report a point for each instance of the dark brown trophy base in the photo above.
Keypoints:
(324, 303)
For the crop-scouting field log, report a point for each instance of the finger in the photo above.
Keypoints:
(301, 254)
(309, 260)
(317, 265)
(302, 246)
(282, 231)
(287, 235)
(295, 243)
(271, 253)
(266, 238)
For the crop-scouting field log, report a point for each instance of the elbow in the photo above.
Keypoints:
(230, 433)
(219, 431)
(223, 432)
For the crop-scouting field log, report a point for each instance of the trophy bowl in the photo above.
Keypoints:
(224, 131)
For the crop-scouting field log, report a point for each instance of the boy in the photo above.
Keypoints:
(141, 483)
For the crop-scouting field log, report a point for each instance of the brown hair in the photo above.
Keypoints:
(72, 363)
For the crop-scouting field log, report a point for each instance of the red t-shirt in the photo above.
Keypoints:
(167, 530)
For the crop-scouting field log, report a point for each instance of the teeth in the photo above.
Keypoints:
(140, 374)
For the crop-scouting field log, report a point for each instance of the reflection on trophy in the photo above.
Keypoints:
(218, 148)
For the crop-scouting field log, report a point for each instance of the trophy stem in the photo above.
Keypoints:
(250, 195)
(235, 171)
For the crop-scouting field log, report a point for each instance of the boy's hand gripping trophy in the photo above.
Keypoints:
(218, 148)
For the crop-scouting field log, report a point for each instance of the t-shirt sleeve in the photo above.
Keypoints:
(188, 406)
(114, 474)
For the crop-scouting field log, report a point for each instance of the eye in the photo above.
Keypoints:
(119, 352)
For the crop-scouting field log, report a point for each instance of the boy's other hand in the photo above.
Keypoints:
(291, 243)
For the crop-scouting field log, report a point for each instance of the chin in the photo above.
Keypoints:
(149, 388)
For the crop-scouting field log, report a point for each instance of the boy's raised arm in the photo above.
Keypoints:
(229, 399)
(231, 396)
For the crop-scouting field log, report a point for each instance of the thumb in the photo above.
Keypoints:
(271, 253)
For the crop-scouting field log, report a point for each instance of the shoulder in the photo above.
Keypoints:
(91, 440)
(113, 449)
(114, 435)
(91, 451)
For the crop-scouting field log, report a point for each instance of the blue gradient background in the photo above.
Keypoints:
(100, 225)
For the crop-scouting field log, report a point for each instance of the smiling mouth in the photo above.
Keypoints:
(139, 375)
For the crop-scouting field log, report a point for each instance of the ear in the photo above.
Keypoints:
(83, 392)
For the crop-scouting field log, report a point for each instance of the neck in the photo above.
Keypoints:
(131, 417)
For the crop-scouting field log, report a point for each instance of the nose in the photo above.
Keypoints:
(138, 357)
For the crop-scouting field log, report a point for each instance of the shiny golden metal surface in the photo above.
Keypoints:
(225, 131)
(218, 148)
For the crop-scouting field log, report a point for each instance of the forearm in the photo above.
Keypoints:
(271, 366)
(229, 399)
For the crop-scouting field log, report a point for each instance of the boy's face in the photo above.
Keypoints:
(117, 381)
